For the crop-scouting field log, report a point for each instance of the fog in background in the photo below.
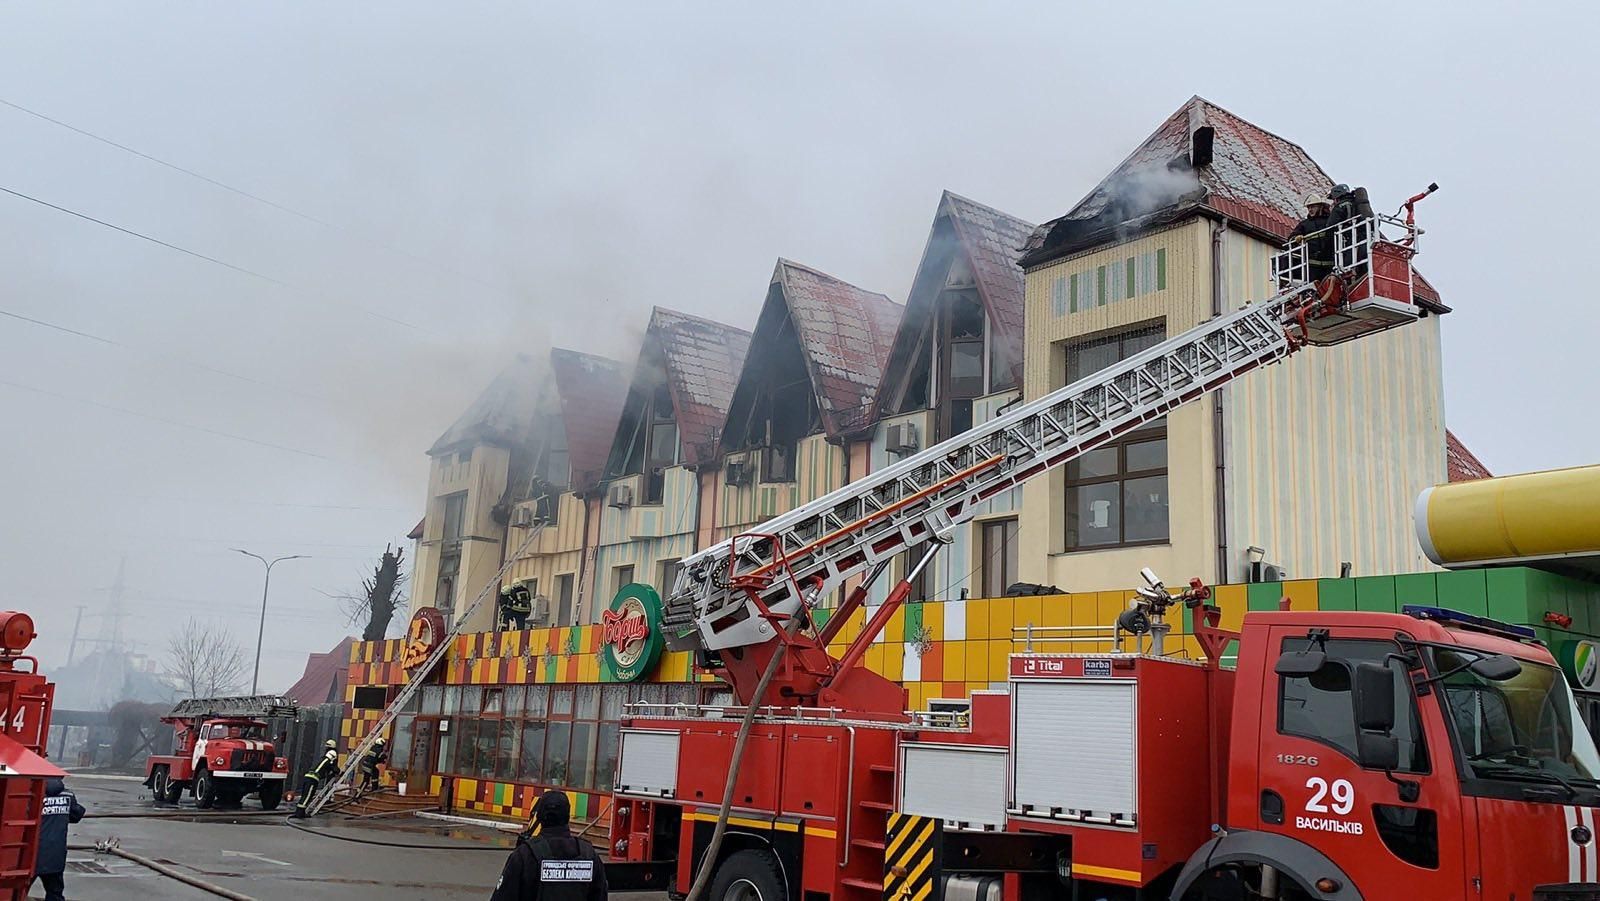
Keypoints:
(457, 182)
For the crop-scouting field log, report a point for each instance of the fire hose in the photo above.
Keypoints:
(702, 876)
(111, 846)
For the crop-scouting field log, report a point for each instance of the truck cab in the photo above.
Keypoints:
(1428, 749)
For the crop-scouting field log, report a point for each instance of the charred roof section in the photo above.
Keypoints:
(991, 242)
(844, 334)
(591, 390)
(503, 415)
(698, 361)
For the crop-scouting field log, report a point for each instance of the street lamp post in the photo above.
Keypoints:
(265, 584)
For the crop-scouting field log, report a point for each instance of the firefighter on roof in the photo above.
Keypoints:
(369, 763)
(327, 769)
(554, 865)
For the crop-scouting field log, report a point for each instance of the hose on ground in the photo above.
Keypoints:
(702, 877)
(164, 870)
(373, 841)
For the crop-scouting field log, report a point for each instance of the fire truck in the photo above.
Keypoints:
(1342, 756)
(221, 752)
(25, 702)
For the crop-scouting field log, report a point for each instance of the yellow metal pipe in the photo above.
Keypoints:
(1534, 516)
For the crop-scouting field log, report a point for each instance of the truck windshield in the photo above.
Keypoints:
(1525, 728)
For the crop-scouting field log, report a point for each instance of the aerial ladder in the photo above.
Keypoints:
(745, 600)
(418, 676)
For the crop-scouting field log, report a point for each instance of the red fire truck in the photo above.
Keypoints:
(1344, 755)
(221, 752)
(25, 700)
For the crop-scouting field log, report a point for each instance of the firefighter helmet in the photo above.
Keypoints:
(1316, 199)
(381, 741)
(330, 743)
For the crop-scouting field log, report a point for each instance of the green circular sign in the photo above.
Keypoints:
(630, 632)
(1581, 659)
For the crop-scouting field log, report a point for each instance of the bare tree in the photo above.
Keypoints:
(380, 595)
(204, 661)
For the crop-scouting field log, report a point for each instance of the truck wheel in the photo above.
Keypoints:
(748, 876)
(205, 790)
(271, 794)
(174, 790)
(158, 785)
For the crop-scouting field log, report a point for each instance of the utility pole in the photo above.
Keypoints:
(266, 583)
(72, 649)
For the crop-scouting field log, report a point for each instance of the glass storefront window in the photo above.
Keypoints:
(581, 759)
(506, 758)
(447, 752)
(587, 706)
(538, 700)
(471, 698)
(400, 745)
(561, 701)
(452, 699)
(432, 699)
(530, 767)
(557, 736)
(613, 698)
(491, 700)
(516, 697)
(605, 757)
(488, 746)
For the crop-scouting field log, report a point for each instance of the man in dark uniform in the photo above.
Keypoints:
(554, 865)
(1313, 230)
(60, 808)
(326, 770)
(378, 754)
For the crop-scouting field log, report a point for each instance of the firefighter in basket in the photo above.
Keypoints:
(378, 754)
(326, 770)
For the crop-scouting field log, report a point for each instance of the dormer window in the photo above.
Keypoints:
(661, 444)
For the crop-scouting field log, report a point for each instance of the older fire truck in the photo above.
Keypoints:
(221, 752)
(25, 701)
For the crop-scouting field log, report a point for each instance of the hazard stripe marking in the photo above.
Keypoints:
(910, 857)
(1573, 854)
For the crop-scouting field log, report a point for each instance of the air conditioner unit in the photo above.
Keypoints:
(522, 518)
(901, 438)
(541, 610)
(1267, 572)
(738, 472)
(620, 496)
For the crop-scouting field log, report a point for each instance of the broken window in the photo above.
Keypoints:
(777, 463)
(455, 513)
(661, 450)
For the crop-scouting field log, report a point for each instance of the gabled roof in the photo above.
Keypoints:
(592, 390)
(324, 677)
(845, 334)
(1460, 463)
(701, 360)
(992, 242)
(503, 415)
(1202, 159)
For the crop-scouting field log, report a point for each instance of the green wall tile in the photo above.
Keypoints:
(1416, 588)
(913, 622)
(1263, 595)
(821, 615)
(1375, 594)
(1336, 594)
(1464, 590)
(1508, 595)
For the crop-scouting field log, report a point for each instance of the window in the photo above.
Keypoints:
(922, 585)
(1117, 494)
(455, 512)
(620, 576)
(999, 563)
(961, 368)
(444, 590)
(1318, 707)
(777, 463)
(371, 697)
(1511, 729)
(563, 611)
(666, 574)
(661, 444)
(464, 457)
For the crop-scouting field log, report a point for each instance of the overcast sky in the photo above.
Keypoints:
(447, 183)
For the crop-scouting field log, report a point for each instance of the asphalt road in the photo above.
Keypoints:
(260, 856)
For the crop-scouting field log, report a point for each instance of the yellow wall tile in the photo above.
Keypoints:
(1001, 617)
(1027, 610)
(895, 629)
(955, 661)
(999, 657)
(1109, 606)
(933, 619)
(976, 686)
(1302, 594)
(1085, 608)
(978, 618)
(1055, 610)
(874, 658)
(894, 660)
(977, 661)
(1231, 598)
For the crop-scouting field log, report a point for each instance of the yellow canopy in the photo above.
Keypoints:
(1522, 519)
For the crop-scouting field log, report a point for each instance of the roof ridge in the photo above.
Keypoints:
(984, 206)
(1266, 131)
(655, 309)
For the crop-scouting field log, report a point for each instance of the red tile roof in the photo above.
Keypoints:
(324, 677)
(703, 359)
(1460, 463)
(845, 334)
(992, 242)
(591, 390)
(1254, 178)
(416, 533)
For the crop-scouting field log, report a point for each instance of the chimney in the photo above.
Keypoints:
(1200, 137)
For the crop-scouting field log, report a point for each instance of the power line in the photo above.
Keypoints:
(161, 419)
(256, 197)
(193, 253)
